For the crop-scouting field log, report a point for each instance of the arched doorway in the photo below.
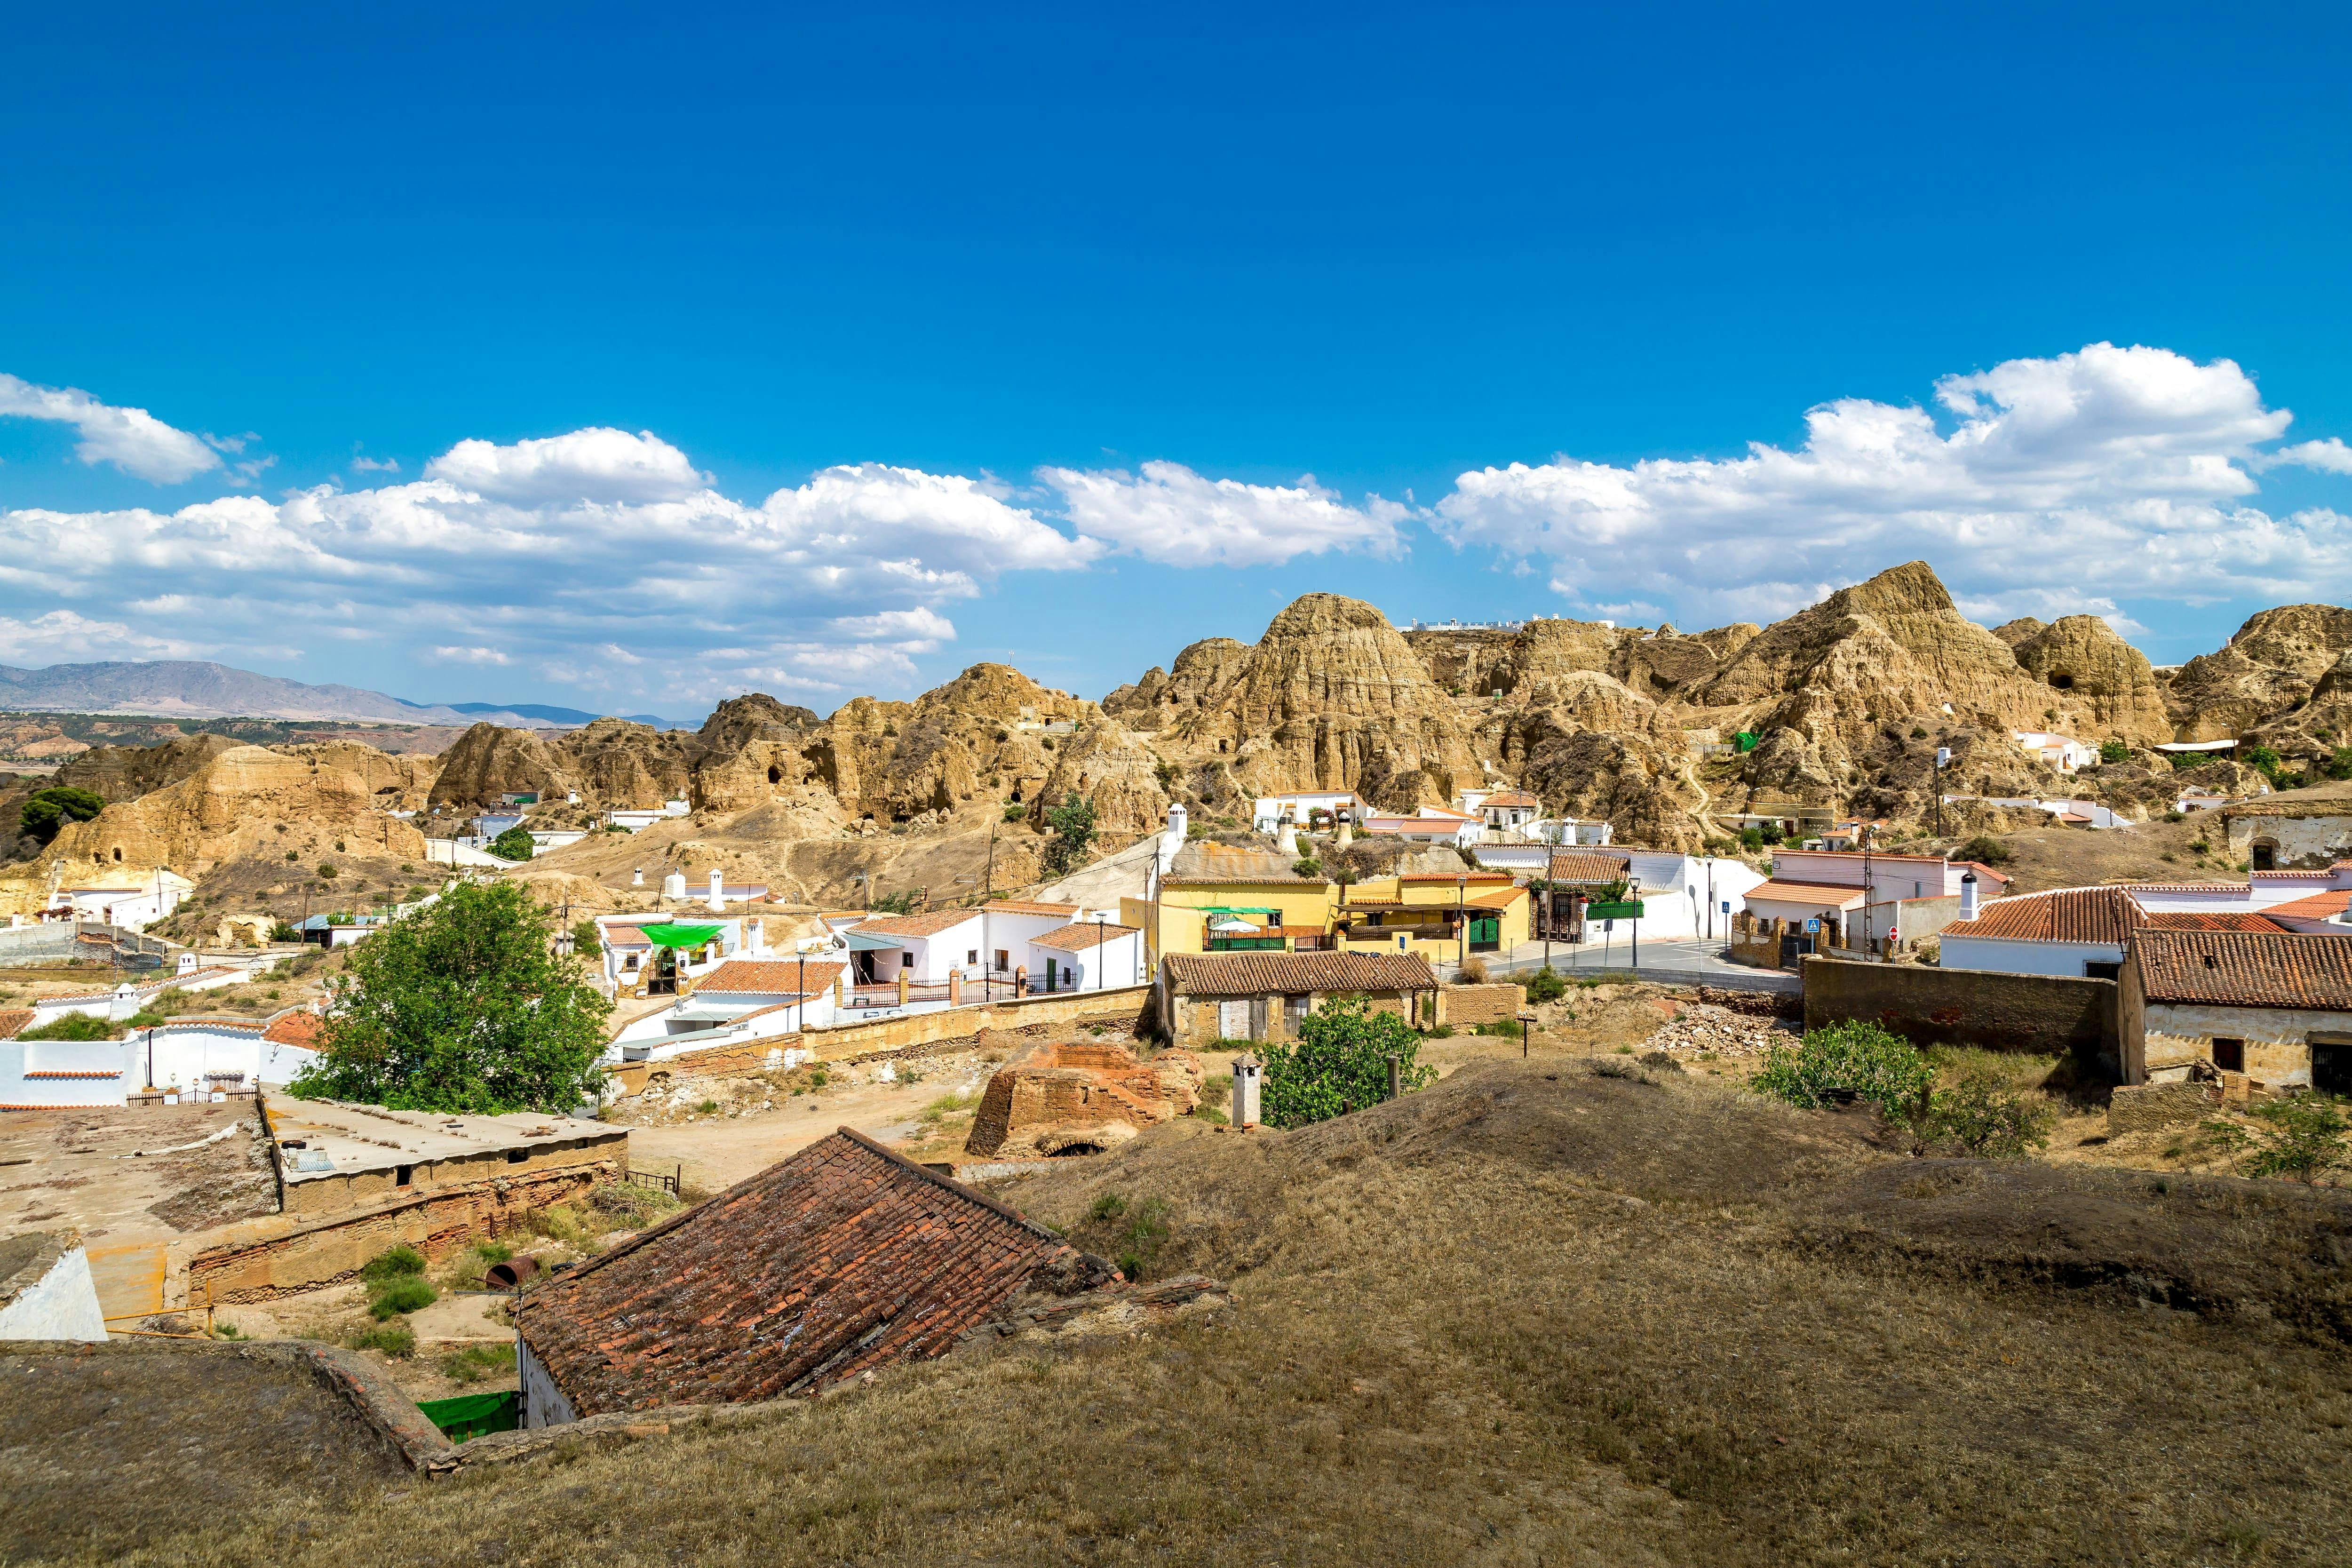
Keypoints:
(2265, 855)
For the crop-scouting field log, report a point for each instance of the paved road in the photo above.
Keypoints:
(1699, 962)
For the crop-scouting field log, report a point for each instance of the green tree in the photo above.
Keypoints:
(1340, 1063)
(514, 844)
(587, 942)
(1982, 1114)
(462, 1007)
(1858, 1059)
(1984, 851)
(1073, 822)
(1545, 986)
(2114, 752)
(2298, 1137)
(47, 811)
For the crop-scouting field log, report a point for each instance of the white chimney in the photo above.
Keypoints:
(717, 891)
(1287, 838)
(1967, 895)
(1245, 1077)
(1173, 838)
(187, 961)
(674, 885)
(637, 878)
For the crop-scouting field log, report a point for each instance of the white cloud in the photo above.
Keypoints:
(603, 553)
(1169, 514)
(62, 636)
(2331, 456)
(2075, 479)
(593, 465)
(375, 465)
(130, 438)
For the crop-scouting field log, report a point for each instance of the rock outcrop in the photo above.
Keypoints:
(1079, 1098)
(2081, 658)
(489, 761)
(125, 773)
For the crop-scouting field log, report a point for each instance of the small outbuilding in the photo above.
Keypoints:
(1205, 997)
(2273, 1008)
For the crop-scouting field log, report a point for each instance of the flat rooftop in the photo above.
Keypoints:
(319, 1138)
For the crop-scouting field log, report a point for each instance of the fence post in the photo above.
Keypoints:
(1396, 1076)
(902, 988)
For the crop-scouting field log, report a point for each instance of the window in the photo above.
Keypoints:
(971, 955)
(2230, 1056)
(2094, 970)
(1004, 960)
(402, 1173)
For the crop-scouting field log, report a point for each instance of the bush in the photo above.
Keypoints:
(1014, 811)
(514, 844)
(71, 1027)
(1857, 1061)
(398, 1263)
(2300, 1137)
(1340, 1063)
(394, 1339)
(1989, 1119)
(1545, 986)
(1983, 850)
(1307, 865)
(1073, 822)
(46, 812)
(401, 1296)
(1471, 972)
(327, 871)
(2338, 765)
(284, 932)
(2114, 752)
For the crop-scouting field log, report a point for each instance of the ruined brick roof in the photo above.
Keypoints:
(1080, 936)
(2228, 919)
(13, 1020)
(2245, 969)
(1289, 974)
(2073, 914)
(931, 923)
(840, 1259)
(768, 976)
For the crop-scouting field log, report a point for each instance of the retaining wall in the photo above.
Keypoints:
(2045, 1013)
(1467, 1004)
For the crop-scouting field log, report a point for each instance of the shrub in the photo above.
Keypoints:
(1983, 850)
(284, 932)
(1307, 865)
(1073, 822)
(1858, 1060)
(46, 812)
(514, 844)
(1107, 1207)
(1985, 1116)
(1545, 986)
(2113, 752)
(1471, 972)
(394, 1264)
(818, 1079)
(327, 871)
(401, 1296)
(2338, 765)
(2300, 1137)
(706, 1108)
(1340, 1063)
(394, 1339)
(71, 1027)
(1167, 773)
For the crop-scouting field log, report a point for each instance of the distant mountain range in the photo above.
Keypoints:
(172, 688)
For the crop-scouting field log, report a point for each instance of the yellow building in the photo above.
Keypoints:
(1441, 915)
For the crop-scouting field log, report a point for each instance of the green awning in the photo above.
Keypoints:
(679, 936)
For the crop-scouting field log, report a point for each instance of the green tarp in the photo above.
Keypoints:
(1629, 910)
(472, 1415)
(680, 936)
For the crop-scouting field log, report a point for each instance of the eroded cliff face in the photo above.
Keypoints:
(126, 773)
(488, 761)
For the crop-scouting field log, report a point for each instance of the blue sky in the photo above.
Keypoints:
(826, 352)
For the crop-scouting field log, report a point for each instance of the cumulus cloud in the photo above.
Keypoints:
(133, 439)
(62, 636)
(2070, 481)
(2331, 456)
(602, 554)
(1169, 514)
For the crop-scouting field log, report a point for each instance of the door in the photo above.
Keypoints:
(1233, 1020)
(1487, 934)
(2331, 1067)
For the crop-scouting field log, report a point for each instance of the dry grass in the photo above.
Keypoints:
(1536, 1315)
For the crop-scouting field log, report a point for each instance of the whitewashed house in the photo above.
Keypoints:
(2062, 753)
(1268, 812)
(1086, 956)
(741, 1001)
(132, 902)
(636, 820)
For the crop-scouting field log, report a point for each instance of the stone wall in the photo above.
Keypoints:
(2045, 1013)
(2277, 1047)
(1464, 1005)
(2152, 1107)
(2297, 843)
(259, 1260)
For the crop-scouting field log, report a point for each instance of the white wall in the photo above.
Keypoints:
(18, 1058)
(182, 1054)
(2001, 956)
(61, 1305)
(1118, 962)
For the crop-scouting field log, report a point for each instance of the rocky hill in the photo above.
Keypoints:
(1850, 701)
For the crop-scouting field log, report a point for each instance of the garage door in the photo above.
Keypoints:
(1233, 1020)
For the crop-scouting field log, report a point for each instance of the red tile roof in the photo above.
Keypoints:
(769, 976)
(841, 1260)
(1078, 937)
(1455, 877)
(1028, 907)
(2076, 914)
(1509, 798)
(299, 1028)
(1779, 892)
(931, 923)
(1588, 866)
(2245, 969)
(1291, 973)
(2235, 920)
(2317, 907)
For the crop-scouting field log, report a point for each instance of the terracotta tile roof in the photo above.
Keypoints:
(299, 1028)
(1289, 974)
(2245, 969)
(1806, 893)
(1455, 877)
(1979, 867)
(1500, 898)
(1588, 866)
(2317, 907)
(842, 1258)
(69, 1072)
(1080, 936)
(931, 923)
(1026, 906)
(2075, 914)
(769, 976)
(13, 1020)
(2235, 920)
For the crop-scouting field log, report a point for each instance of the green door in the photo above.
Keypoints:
(1487, 933)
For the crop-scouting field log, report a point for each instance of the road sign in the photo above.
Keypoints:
(1814, 925)
(1726, 906)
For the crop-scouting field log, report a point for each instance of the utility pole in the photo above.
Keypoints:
(1099, 937)
(1634, 897)
(1868, 832)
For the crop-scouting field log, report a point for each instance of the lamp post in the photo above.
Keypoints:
(1461, 925)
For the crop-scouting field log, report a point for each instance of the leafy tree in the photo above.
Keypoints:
(284, 930)
(1859, 1059)
(1985, 1116)
(1983, 850)
(48, 810)
(1545, 986)
(1073, 822)
(514, 844)
(1340, 1063)
(462, 1007)
(2114, 752)
(902, 902)
(587, 942)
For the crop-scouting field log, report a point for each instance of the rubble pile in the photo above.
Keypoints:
(1702, 1026)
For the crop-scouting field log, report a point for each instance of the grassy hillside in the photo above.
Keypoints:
(1539, 1313)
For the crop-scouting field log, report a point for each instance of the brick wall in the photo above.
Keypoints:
(2048, 1014)
(1463, 1005)
(2153, 1106)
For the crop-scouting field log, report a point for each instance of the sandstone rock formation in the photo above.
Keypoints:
(2081, 657)
(1079, 1098)
(126, 773)
(488, 761)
